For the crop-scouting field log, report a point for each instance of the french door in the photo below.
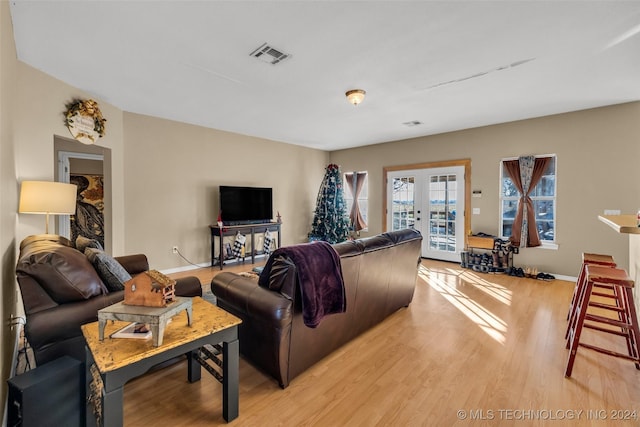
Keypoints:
(431, 200)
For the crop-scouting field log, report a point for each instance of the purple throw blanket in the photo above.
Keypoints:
(319, 277)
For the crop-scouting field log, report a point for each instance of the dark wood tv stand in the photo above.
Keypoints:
(231, 230)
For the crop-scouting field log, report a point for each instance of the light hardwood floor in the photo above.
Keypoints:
(472, 349)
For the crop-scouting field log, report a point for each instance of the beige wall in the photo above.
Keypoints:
(38, 118)
(173, 171)
(597, 152)
(8, 199)
(31, 114)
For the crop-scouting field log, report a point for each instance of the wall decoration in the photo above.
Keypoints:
(84, 120)
(88, 220)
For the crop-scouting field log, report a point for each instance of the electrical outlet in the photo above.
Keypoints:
(14, 321)
(175, 249)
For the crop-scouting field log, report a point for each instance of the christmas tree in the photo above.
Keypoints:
(330, 219)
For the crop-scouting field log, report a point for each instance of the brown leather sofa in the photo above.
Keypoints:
(62, 290)
(379, 274)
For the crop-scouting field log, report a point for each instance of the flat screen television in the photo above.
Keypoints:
(245, 205)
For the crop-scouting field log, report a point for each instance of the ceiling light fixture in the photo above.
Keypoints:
(355, 96)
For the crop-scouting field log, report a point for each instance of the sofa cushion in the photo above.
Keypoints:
(63, 272)
(83, 243)
(110, 271)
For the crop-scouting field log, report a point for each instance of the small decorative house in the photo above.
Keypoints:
(150, 289)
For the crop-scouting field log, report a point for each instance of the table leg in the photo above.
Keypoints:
(189, 312)
(279, 237)
(231, 377)
(112, 408)
(193, 366)
(90, 418)
(221, 241)
(213, 248)
(253, 247)
(101, 325)
(157, 331)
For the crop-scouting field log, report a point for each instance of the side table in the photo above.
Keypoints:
(115, 361)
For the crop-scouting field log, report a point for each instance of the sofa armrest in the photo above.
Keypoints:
(52, 326)
(134, 264)
(188, 287)
(245, 296)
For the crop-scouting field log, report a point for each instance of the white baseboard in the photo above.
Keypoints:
(208, 265)
(567, 278)
(185, 268)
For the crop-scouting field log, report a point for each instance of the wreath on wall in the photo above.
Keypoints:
(84, 120)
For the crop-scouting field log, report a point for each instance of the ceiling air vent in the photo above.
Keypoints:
(269, 55)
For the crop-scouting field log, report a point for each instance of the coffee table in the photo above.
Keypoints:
(119, 360)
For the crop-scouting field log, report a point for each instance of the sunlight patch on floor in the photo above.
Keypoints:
(494, 290)
(491, 324)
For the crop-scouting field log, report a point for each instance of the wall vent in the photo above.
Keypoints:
(270, 55)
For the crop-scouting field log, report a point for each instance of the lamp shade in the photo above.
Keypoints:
(46, 197)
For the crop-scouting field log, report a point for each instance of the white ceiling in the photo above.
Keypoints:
(450, 65)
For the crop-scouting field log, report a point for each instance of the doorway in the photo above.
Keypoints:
(89, 167)
(431, 198)
(86, 172)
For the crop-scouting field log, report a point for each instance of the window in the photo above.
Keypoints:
(403, 202)
(543, 197)
(363, 196)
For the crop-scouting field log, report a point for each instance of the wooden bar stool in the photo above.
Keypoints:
(625, 326)
(587, 259)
